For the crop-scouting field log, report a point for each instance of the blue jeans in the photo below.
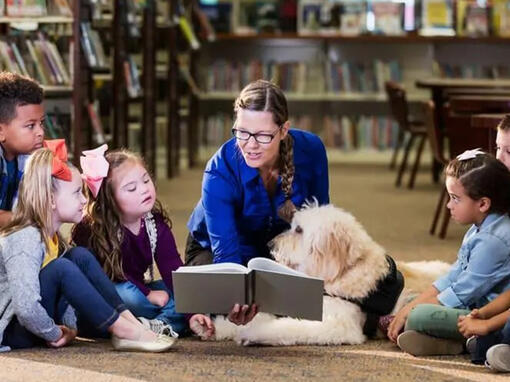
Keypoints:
(74, 279)
(140, 306)
(483, 343)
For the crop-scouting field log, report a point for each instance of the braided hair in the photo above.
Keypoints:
(263, 95)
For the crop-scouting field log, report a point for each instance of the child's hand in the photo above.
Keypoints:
(470, 326)
(68, 335)
(158, 297)
(475, 313)
(202, 326)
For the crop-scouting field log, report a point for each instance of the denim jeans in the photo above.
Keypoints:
(483, 343)
(140, 306)
(77, 279)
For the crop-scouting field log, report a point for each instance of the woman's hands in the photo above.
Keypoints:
(158, 297)
(202, 326)
(68, 335)
(241, 315)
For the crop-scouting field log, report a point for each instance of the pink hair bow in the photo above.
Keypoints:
(95, 168)
(470, 154)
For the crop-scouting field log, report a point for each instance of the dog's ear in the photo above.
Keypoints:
(330, 252)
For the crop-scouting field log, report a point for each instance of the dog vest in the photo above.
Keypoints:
(382, 300)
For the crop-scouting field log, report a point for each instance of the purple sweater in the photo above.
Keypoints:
(136, 252)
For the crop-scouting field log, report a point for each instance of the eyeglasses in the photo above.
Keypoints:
(259, 137)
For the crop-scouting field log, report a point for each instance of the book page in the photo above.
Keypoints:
(214, 268)
(264, 264)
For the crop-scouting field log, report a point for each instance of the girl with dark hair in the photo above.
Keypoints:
(254, 182)
(479, 186)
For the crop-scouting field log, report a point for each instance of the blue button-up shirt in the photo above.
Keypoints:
(482, 269)
(235, 217)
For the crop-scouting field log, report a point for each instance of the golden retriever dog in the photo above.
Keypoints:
(329, 243)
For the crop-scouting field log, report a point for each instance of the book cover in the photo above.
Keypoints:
(309, 16)
(437, 18)
(501, 17)
(388, 17)
(275, 288)
(353, 17)
(476, 20)
(26, 8)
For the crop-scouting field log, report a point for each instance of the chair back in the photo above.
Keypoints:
(398, 104)
(433, 134)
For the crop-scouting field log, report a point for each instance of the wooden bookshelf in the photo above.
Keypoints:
(325, 97)
(37, 20)
(411, 39)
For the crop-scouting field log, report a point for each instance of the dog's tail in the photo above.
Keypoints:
(419, 275)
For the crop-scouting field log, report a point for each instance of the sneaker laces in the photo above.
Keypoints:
(160, 327)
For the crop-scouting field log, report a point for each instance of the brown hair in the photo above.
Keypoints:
(17, 90)
(263, 95)
(483, 176)
(104, 219)
(504, 124)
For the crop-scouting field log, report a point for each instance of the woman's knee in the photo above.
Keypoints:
(130, 294)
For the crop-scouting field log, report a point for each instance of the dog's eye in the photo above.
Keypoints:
(299, 229)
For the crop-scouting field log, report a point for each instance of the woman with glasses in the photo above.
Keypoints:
(253, 184)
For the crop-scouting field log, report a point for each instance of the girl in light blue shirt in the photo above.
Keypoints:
(478, 185)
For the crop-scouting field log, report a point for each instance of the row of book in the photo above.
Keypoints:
(446, 70)
(364, 131)
(303, 77)
(92, 47)
(337, 131)
(30, 8)
(356, 17)
(36, 57)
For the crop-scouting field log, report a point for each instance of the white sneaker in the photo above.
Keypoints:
(161, 344)
(498, 358)
(158, 327)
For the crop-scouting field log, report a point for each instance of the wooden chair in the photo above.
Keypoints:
(461, 136)
(434, 137)
(413, 129)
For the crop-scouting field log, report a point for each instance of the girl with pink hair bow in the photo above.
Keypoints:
(129, 232)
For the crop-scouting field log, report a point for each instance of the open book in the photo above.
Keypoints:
(273, 287)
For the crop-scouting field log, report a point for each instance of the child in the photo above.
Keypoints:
(478, 185)
(503, 141)
(37, 287)
(21, 132)
(492, 324)
(127, 229)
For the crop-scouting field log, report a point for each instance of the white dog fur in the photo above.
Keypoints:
(329, 243)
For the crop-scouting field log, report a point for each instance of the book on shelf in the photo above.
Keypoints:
(219, 14)
(132, 78)
(206, 28)
(388, 18)
(473, 19)
(38, 58)
(25, 8)
(273, 287)
(92, 46)
(501, 17)
(309, 14)
(188, 33)
(95, 121)
(60, 7)
(353, 17)
(437, 18)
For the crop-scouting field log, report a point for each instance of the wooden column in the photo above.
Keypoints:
(120, 123)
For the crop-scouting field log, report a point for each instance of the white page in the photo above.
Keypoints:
(264, 264)
(214, 268)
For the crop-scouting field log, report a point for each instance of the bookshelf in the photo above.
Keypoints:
(234, 59)
(42, 40)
